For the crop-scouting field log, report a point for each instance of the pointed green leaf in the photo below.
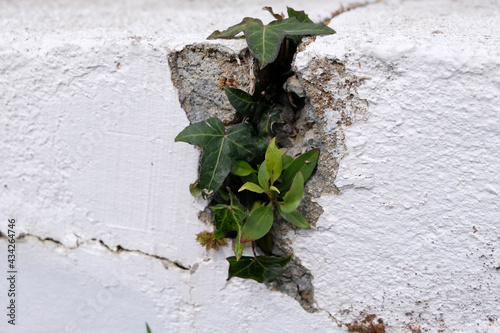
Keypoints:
(242, 169)
(242, 101)
(202, 133)
(273, 161)
(227, 217)
(148, 330)
(272, 188)
(293, 197)
(242, 142)
(258, 223)
(301, 16)
(263, 176)
(263, 41)
(220, 149)
(260, 269)
(238, 246)
(251, 187)
(294, 218)
(230, 217)
(305, 163)
(286, 160)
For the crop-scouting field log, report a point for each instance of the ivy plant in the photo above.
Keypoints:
(247, 178)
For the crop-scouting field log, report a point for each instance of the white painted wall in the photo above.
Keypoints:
(88, 117)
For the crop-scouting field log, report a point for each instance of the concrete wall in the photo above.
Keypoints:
(106, 227)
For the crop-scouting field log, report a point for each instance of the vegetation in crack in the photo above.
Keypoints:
(245, 173)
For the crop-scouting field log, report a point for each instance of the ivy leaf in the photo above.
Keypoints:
(260, 269)
(226, 218)
(258, 223)
(305, 163)
(242, 101)
(238, 246)
(301, 16)
(273, 161)
(264, 41)
(293, 197)
(202, 133)
(230, 217)
(220, 149)
(294, 218)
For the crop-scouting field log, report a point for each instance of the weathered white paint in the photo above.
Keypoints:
(88, 120)
(421, 173)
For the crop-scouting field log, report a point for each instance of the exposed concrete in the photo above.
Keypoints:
(200, 73)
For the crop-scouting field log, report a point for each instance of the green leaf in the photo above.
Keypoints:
(227, 217)
(294, 218)
(260, 269)
(148, 330)
(301, 16)
(251, 187)
(202, 133)
(293, 197)
(220, 149)
(267, 120)
(305, 163)
(286, 160)
(238, 246)
(230, 217)
(194, 189)
(242, 169)
(264, 176)
(258, 223)
(263, 41)
(275, 189)
(273, 161)
(242, 101)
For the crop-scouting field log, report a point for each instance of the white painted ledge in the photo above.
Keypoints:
(88, 119)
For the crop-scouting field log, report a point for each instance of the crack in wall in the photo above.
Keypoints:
(167, 263)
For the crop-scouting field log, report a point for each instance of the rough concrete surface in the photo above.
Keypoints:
(404, 101)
